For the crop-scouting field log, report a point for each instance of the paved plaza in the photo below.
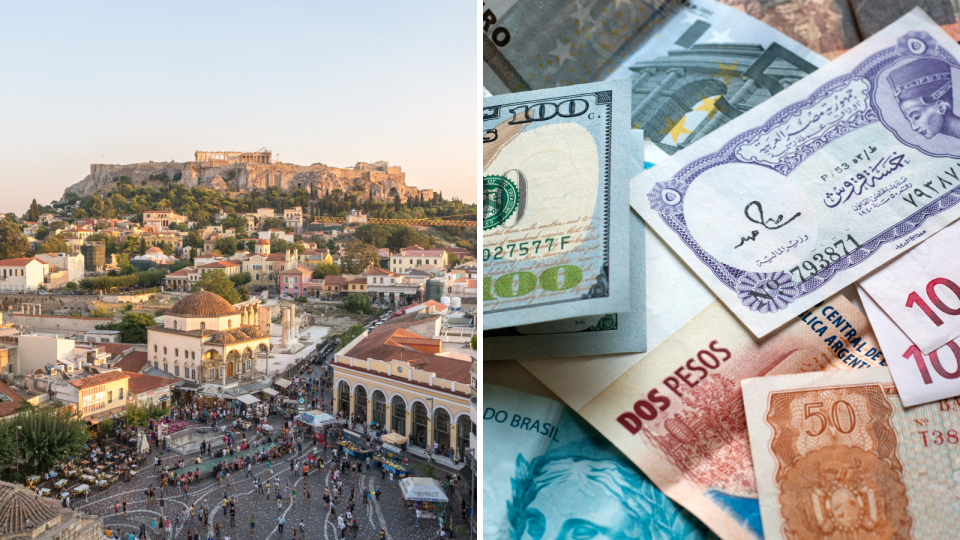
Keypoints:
(390, 512)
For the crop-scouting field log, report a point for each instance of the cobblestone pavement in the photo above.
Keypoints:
(390, 512)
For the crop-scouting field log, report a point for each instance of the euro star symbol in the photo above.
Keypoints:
(727, 72)
(675, 129)
(562, 52)
(582, 15)
(720, 37)
(709, 105)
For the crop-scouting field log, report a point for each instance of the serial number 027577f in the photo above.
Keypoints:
(522, 249)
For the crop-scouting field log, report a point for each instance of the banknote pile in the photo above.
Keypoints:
(721, 281)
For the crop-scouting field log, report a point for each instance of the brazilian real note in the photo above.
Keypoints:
(806, 193)
(556, 234)
(548, 474)
(677, 412)
(837, 455)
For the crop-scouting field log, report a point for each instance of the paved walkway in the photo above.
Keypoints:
(389, 512)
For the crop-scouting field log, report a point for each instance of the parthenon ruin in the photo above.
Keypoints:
(263, 156)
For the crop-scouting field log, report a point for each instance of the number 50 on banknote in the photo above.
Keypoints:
(814, 188)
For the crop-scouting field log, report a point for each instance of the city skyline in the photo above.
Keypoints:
(313, 83)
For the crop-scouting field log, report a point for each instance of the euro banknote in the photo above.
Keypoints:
(920, 290)
(548, 474)
(678, 412)
(837, 456)
(806, 193)
(555, 204)
(598, 334)
(693, 65)
(920, 377)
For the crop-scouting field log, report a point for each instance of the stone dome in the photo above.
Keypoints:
(202, 304)
(239, 334)
(223, 337)
(263, 242)
(22, 512)
(252, 331)
(153, 250)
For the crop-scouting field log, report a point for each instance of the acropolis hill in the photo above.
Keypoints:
(243, 172)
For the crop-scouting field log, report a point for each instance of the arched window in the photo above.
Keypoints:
(464, 427)
(193, 355)
(419, 424)
(193, 374)
(441, 427)
(229, 323)
(399, 415)
(154, 348)
(203, 326)
(176, 352)
(174, 324)
(164, 350)
(379, 408)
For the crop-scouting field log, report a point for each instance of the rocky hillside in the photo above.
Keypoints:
(245, 177)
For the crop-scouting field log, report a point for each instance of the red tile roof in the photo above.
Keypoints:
(7, 407)
(141, 382)
(22, 261)
(380, 345)
(100, 378)
(133, 362)
(381, 272)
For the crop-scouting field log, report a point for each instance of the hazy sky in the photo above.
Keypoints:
(328, 82)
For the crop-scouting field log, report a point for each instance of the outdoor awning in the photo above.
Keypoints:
(270, 391)
(282, 383)
(393, 438)
(422, 489)
(248, 399)
(316, 419)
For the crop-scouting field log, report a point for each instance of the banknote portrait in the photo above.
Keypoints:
(567, 495)
(917, 95)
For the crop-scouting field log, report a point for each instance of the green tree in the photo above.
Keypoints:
(271, 223)
(42, 232)
(13, 243)
(51, 434)
(325, 269)
(358, 257)
(358, 303)
(473, 343)
(100, 312)
(55, 244)
(34, 211)
(143, 246)
(166, 248)
(72, 285)
(194, 240)
(241, 278)
(79, 214)
(133, 327)
(218, 283)
(226, 246)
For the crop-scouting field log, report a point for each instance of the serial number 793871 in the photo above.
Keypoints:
(523, 249)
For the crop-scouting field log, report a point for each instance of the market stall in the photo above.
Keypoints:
(353, 449)
(391, 464)
(316, 419)
(426, 493)
(395, 439)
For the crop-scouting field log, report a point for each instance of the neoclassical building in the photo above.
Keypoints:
(207, 340)
(398, 378)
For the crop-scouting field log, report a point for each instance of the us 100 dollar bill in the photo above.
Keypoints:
(586, 335)
(555, 190)
(678, 412)
(837, 456)
(806, 193)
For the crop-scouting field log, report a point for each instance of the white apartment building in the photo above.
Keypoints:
(71, 262)
(23, 274)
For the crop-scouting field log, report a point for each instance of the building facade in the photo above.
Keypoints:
(23, 274)
(206, 340)
(404, 382)
(414, 256)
